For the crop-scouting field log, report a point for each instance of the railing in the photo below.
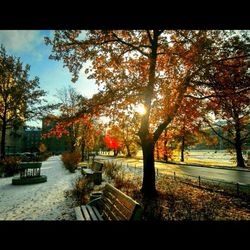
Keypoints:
(233, 188)
(30, 169)
(217, 185)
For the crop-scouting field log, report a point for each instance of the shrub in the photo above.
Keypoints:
(10, 165)
(111, 169)
(82, 188)
(125, 182)
(70, 160)
(42, 148)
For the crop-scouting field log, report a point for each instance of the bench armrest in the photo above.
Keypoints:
(95, 202)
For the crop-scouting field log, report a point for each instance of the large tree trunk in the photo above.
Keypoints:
(3, 140)
(147, 141)
(182, 148)
(238, 149)
(238, 143)
(240, 159)
(148, 184)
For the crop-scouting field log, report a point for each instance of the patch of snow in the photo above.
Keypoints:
(42, 201)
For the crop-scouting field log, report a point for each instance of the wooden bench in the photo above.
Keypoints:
(95, 172)
(111, 205)
(97, 166)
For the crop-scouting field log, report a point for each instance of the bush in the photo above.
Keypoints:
(9, 166)
(111, 169)
(81, 189)
(70, 160)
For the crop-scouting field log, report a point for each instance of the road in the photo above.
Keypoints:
(207, 172)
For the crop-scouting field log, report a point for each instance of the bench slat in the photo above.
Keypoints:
(121, 214)
(78, 213)
(91, 212)
(116, 204)
(126, 200)
(112, 211)
(85, 212)
(97, 213)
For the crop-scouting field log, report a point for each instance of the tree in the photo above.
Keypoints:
(112, 141)
(19, 95)
(187, 123)
(230, 105)
(153, 68)
(124, 126)
(229, 99)
(70, 106)
(76, 121)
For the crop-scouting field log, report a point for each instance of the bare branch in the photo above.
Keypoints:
(118, 39)
(224, 138)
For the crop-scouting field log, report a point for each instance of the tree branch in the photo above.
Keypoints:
(200, 98)
(218, 133)
(130, 45)
(181, 90)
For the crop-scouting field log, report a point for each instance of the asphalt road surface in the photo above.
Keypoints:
(227, 175)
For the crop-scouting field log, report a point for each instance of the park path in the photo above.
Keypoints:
(43, 201)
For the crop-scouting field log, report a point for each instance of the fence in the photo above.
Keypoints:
(232, 188)
(216, 185)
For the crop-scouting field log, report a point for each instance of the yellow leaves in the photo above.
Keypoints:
(188, 202)
(42, 148)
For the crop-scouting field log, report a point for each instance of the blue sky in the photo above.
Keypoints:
(30, 47)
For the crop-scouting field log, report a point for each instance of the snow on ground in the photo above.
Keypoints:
(43, 201)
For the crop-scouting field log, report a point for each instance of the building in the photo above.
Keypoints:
(54, 144)
(32, 139)
(14, 141)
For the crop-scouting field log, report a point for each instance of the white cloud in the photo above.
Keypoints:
(18, 41)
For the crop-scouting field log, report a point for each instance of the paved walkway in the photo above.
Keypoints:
(43, 201)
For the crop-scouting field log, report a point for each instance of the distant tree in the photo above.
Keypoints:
(231, 106)
(70, 105)
(124, 127)
(77, 121)
(20, 96)
(113, 139)
(187, 124)
(229, 82)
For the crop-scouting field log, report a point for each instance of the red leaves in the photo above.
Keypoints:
(61, 127)
(110, 142)
(58, 131)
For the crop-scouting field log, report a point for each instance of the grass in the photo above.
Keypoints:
(210, 158)
(217, 158)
